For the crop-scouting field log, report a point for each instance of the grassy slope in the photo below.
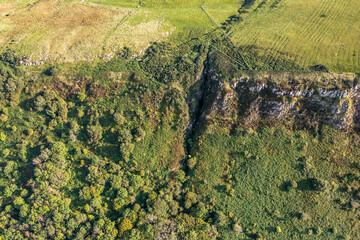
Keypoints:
(311, 32)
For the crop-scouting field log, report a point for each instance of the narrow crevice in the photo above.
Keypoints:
(195, 116)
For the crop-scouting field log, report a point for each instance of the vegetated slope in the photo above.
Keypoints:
(310, 32)
(88, 150)
(92, 145)
(177, 145)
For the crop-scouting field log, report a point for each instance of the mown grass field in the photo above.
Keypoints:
(309, 31)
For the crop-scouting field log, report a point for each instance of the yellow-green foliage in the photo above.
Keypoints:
(125, 225)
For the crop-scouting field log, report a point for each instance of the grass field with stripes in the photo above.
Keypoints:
(309, 32)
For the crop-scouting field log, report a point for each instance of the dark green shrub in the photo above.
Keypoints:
(320, 68)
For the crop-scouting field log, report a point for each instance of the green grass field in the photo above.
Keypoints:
(309, 31)
(306, 32)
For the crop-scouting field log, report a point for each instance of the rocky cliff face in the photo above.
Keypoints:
(250, 100)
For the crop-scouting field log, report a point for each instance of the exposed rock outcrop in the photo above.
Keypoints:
(250, 100)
